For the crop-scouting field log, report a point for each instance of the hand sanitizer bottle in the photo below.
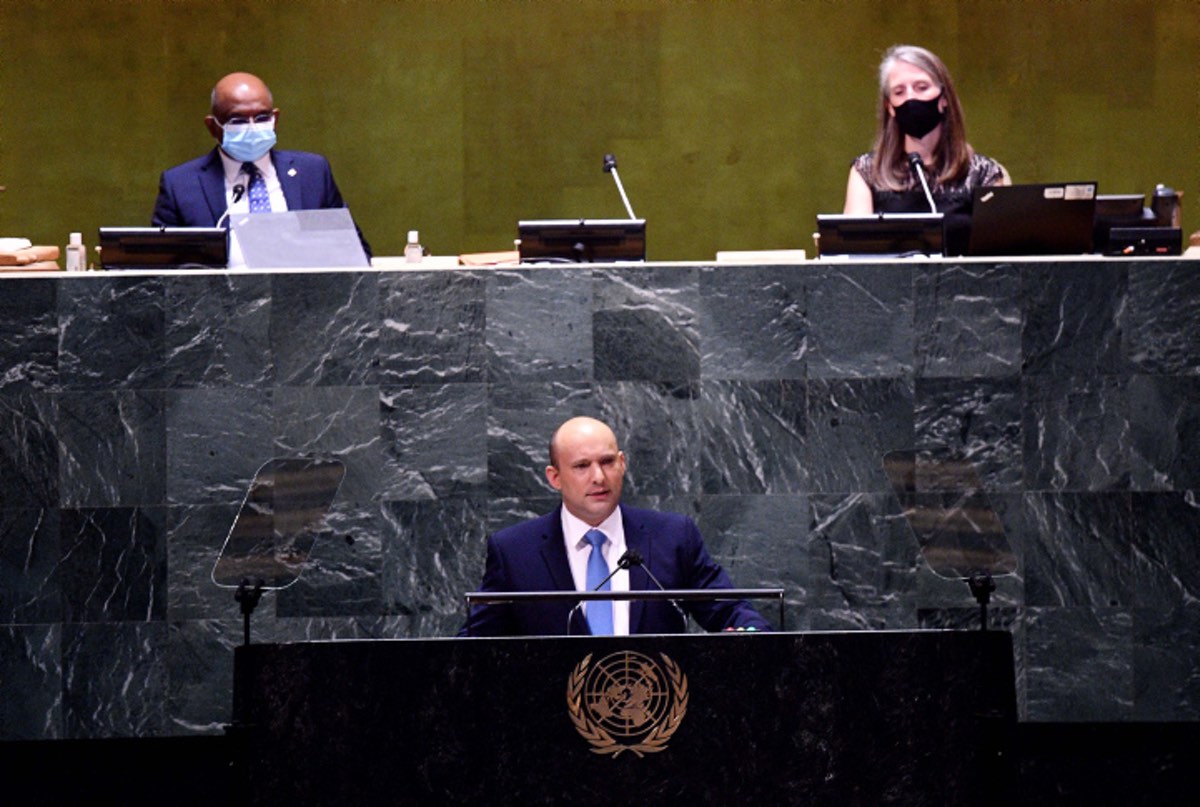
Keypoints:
(76, 254)
(413, 251)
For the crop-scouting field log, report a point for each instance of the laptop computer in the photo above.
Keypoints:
(164, 247)
(881, 235)
(294, 239)
(1036, 219)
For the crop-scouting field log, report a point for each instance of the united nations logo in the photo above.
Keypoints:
(627, 702)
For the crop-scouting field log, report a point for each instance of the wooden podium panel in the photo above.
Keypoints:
(784, 718)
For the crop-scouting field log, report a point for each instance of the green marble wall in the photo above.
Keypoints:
(734, 122)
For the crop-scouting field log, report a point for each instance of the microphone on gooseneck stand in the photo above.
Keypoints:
(624, 562)
(918, 167)
(238, 191)
(635, 559)
(610, 166)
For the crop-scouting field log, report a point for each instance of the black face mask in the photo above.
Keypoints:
(918, 118)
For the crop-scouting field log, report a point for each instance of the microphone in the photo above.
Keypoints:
(610, 167)
(238, 190)
(635, 559)
(918, 167)
(624, 562)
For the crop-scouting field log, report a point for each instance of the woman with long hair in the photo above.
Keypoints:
(919, 116)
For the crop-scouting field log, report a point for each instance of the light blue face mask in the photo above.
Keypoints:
(248, 141)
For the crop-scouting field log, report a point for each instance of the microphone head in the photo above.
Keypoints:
(631, 558)
(610, 162)
(914, 160)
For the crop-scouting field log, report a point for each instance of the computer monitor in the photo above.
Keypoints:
(1037, 219)
(164, 248)
(582, 240)
(1118, 211)
(880, 235)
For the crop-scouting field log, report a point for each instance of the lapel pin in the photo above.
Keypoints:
(291, 172)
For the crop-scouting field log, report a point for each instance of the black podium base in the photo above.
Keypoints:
(849, 718)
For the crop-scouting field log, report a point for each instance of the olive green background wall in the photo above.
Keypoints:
(733, 122)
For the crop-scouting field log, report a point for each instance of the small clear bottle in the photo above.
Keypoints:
(413, 252)
(76, 254)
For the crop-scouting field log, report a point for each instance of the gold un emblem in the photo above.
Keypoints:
(627, 702)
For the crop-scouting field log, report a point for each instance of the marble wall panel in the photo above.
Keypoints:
(980, 418)
(29, 450)
(111, 332)
(753, 323)
(1164, 415)
(754, 435)
(1072, 318)
(216, 440)
(217, 332)
(1076, 432)
(967, 321)
(113, 564)
(114, 679)
(432, 328)
(32, 680)
(324, 329)
(112, 448)
(644, 325)
(861, 321)
(539, 326)
(1159, 319)
(30, 582)
(435, 441)
(760, 400)
(29, 336)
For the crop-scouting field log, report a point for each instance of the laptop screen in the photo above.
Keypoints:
(1039, 219)
(307, 239)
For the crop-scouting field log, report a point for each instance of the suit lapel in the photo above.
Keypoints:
(636, 539)
(212, 185)
(554, 553)
(289, 179)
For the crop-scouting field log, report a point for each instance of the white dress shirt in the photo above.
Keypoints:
(579, 550)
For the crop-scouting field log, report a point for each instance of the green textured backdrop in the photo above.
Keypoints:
(733, 122)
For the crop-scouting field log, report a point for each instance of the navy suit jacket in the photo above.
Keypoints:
(531, 556)
(193, 194)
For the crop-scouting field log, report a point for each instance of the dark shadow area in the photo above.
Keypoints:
(1107, 763)
(125, 771)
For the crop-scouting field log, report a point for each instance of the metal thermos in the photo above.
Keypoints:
(1165, 206)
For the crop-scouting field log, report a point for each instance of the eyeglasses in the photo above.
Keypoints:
(259, 119)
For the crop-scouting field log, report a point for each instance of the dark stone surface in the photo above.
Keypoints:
(135, 410)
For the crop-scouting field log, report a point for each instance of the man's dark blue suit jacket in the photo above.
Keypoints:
(531, 556)
(193, 194)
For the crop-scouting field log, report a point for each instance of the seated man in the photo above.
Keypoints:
(556, 552)
(245, 173)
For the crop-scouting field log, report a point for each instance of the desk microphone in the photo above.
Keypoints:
(624, 562)
(918, 167)
(635, 559)
(238, 191)
(610, 166)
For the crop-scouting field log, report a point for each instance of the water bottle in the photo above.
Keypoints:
(1166, 207)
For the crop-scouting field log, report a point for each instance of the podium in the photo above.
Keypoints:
(919, 717)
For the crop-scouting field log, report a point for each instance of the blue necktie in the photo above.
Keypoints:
(260, 200)
(599, 612)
